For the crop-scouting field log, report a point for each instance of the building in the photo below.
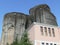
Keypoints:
(15, 23)
(44, 34)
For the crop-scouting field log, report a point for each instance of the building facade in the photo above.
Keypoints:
(15, 23)
(44, 34)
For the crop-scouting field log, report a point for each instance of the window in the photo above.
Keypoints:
(41, 28)
(42, 43)
(54, 44)
(47, 44)
(45, 30)
(53, 32)
(49, 31)
(51, 44)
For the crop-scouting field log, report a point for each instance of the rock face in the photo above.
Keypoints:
(13, 26)
(42, 14)
(15, 23)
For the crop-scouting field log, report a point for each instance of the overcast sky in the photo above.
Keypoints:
(24, 6)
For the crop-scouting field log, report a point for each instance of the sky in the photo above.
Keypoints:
(23, 6)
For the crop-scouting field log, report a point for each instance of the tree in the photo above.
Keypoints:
(24, 39)
(7, 44)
